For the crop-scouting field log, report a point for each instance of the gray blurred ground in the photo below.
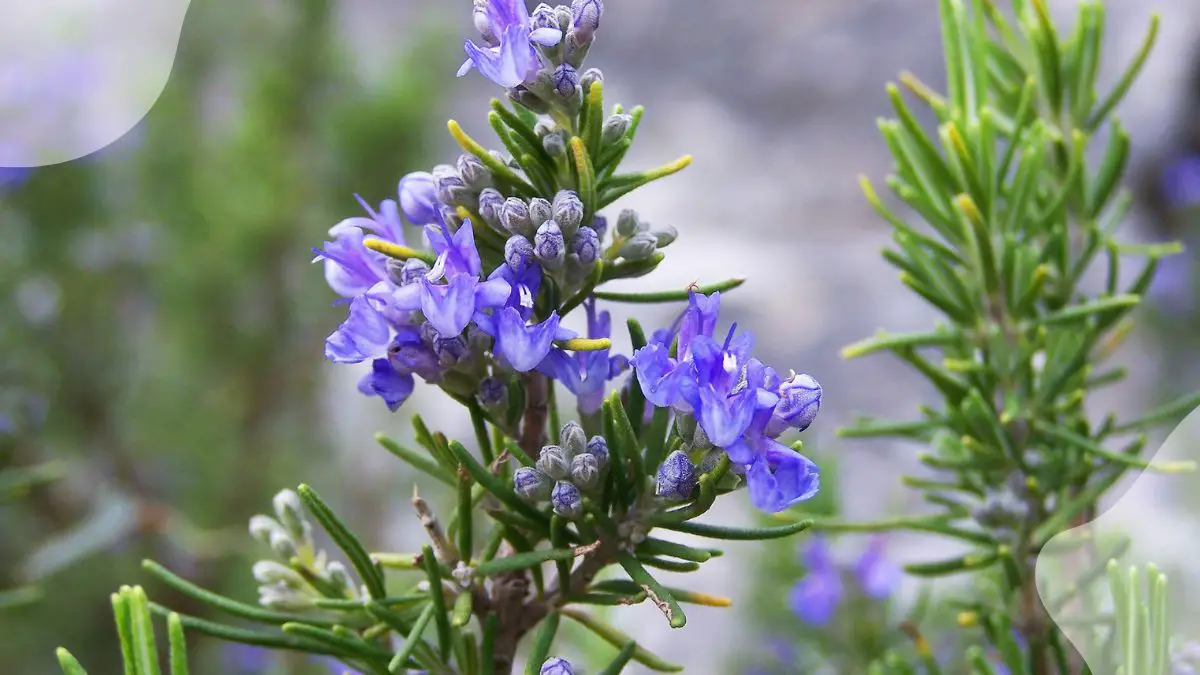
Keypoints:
(777, 102)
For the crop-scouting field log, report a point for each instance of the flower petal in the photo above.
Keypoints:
(449, 307)
(524, 347)
(385, 382)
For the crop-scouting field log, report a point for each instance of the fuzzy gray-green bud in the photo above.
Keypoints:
(555, 144)
(474, 173)
(532, 485)
(568, 212)
(590, 77)
(573, 438)
(523, 97)
(339, 576)
(615, 128)
(290, 511)
(585, 471)
(283, 545)
(284, 598)
(639, 247)
(514, 215)
(540, 210)
(554, 462)
(268, 572)
(665, 235)
(628, 223)
(263, 528)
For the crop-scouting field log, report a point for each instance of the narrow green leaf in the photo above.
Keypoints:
(529, 559)
(618, 639)
(969, 563)
(627, 438)
(615, 187)
(463, 605)
(68, 663)
(658, 593)
(653, 297)
(542, 643)
(1091, 447)
(621, 660)
(465, 510)
(250, 637)
(1127, 78)
(631, 269)
(347, 542)
(499, 170)
(438, 600)
(178, 645)
(413, 639)
(739, 533)
(662, 547)
(487, 650)
(887, 341)
(628, 587)
(1089, 309)
(122, 612)
(229, 605)
(501, 490)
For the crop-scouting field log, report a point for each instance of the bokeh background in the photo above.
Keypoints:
(161, 325)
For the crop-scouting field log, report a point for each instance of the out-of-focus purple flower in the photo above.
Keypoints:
(509, 57)
(1180, 182)
(586, 374)
(13, 177)
(878, 577)
(1174, 285)
(239, 659)
(815, 599)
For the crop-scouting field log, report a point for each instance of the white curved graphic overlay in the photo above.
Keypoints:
(77, 75)
(1152, 524)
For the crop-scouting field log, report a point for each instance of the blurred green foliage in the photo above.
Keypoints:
(158, 307)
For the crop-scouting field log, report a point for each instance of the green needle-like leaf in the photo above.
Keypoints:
(658, 593)
(346, 541)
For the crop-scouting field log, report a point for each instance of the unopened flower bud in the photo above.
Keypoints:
(576, 48)
(532, 485)
(263, 528)
(291, 514)
(700, 439)
(515, 217)
(565, 16)
(566, 83)
(549, 245)
(339, 576)
(284, 598)
(556, 666)
(628, 223)
(566, 500)
(540, 211)
(270, 572)
(493, 395)
(518, 253)
(452, 190)
(585, 471)
(544, 16)
(555, 145)
(405, 272)
(418, 197)
(665, 236)
(572, 438)
(483, 22)
(586, 245)
(283, 545)
(490, 203)
(600, 225)
(590, 76)
(639, 247)
(598, 448)
(474, 173)
(615, 128)
(676, 477)
(568, 212)
(799, 402)
(586, 17)
(554, 462)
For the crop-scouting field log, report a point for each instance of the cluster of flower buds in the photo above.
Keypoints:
(461, 185)
(538, 56)
(564, 473)
(637, 239)
(549, 233)
(287, 582)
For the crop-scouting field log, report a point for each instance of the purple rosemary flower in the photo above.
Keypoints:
(878, 577)
(586, 374)
(1180, 182)
(741, 405)
(13, 177)
(1174, 285)
(509, 57)
(419, 199)
(815, 599)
